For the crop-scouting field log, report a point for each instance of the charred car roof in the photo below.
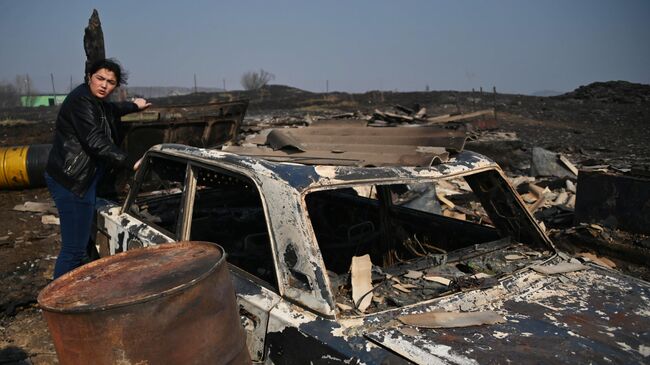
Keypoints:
(303, 176)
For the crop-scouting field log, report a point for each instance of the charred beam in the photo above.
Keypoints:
(93, 41)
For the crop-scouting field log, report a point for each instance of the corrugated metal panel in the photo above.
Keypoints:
(357, 145)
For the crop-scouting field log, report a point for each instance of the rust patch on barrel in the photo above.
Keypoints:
(127, 279)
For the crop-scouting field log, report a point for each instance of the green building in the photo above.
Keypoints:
(42, 100)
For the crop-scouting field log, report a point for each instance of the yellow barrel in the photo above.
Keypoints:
(13, 173)
(23, 166)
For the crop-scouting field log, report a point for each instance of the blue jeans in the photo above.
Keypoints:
(76, 215)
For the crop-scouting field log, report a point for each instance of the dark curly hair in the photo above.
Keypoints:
(110, 64)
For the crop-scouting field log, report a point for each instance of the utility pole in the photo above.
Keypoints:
(195, 90)
(327, 86)
(53, 90)
(224, 84)
(494, 89)
(29, 89)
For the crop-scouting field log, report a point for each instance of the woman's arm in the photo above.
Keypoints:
(85, 117)
(136, 105)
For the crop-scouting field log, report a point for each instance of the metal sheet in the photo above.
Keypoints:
(377, 158)
(616, 201)
(359, 145)
(204, 125)
(405, 136)
(580, 318)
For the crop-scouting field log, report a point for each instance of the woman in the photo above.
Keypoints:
(84, 146)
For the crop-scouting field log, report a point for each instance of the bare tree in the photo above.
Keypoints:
(9, 96)
(23, 85)
(253, 80)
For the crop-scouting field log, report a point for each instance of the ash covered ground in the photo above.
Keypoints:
(597, 124)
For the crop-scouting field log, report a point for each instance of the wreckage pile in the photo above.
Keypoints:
(431, 276)
(547, 182)
(400, 116)
(622, 92)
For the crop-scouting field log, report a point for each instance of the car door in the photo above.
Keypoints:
(118, 232)
(152, 213)
(225, 207)
(255, 304)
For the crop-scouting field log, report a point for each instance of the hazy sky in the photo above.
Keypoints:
(519, 46)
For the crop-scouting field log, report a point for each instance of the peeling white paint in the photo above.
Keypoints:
(327, 172)
(370, 346)
(551, 317)
(283, 317)
(500, 335)
(114, 225)
(423, 353)
(260, 300)
(345, 325)
(351, 322)
(571, 333)
(643, 312)
(330, 357)
(624, 346)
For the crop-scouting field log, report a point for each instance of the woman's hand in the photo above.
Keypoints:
(137, 164)
(141, 103)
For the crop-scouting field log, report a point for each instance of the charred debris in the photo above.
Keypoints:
(585, 204)
(607, 215)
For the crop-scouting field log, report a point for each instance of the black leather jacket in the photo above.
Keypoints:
(85, 136)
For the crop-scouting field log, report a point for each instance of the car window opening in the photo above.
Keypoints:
(425, 240)
(159, 196)
(227, 210)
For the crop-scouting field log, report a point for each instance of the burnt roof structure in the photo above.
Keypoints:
(351, 142)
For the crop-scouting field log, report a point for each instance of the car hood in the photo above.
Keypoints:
(589, 316)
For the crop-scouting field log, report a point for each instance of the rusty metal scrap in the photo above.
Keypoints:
(451, 319)
(411, 281)
(559, 268)
(357, 145)
(483, 119)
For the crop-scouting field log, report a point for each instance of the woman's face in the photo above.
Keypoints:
(102, 83)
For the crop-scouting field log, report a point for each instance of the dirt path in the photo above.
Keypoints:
(28, 250)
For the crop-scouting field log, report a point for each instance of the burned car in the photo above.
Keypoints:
(349, 256)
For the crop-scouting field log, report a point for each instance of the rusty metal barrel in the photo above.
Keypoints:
(166, 304)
